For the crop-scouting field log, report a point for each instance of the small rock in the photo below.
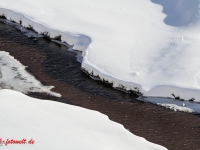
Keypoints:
(35, 39)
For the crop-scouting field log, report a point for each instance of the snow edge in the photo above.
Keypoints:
(81, 42)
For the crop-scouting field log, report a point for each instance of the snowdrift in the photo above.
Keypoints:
(53, 125)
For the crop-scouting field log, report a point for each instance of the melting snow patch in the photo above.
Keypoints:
(174, 104)
(14, 76)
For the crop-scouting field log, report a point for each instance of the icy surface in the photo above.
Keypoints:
(147, 46)
(175, 105)
(60, 126)
(14, 76)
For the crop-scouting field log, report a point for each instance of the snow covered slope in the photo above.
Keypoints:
(54, 125)
(150, 46)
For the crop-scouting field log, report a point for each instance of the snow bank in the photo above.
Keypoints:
(54, 125)
(14, 76)
(135, 45)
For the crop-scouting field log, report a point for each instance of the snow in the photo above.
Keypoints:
(175, 105)
(14, 76)
(53, 125)
(146, 46)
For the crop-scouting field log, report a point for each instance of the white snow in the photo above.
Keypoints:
(14, 76)
(175, 105)
(150, 46)
(53, 125)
